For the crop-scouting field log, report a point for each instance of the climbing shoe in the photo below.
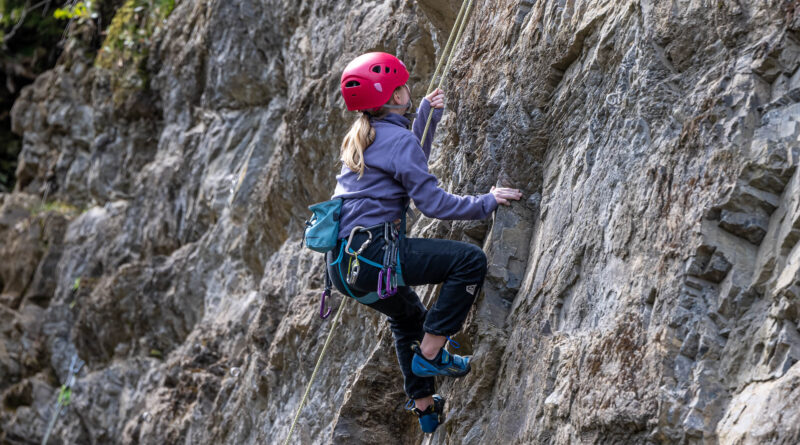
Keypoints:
(432, 417)
(444, 363)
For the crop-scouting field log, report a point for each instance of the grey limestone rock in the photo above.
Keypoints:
(646, 289)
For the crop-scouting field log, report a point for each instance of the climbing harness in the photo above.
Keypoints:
(64, 395)
(394, 280)
(390, 276)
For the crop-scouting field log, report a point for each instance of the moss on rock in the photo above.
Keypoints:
(125, 49)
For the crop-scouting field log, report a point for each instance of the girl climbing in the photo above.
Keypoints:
(383, 165)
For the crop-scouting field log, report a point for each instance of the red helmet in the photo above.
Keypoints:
(370, 79)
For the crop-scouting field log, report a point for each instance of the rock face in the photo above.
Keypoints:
(646, 290)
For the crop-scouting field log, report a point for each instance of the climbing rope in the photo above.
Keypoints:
(64, 395)
(447, 46)
(461, 19)
(316, 368)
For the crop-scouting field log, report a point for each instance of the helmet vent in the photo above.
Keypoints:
(376, 69)
(351, 84)
(387, 70)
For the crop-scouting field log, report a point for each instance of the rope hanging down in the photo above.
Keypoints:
(64, 395)
(461, 19)
(316, 368)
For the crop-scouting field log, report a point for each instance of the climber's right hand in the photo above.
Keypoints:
(436, 98)
(503, 195)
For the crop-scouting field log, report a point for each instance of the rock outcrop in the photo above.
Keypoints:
(645, 290)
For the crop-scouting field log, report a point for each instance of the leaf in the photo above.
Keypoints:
(64, 395)
(60, 14)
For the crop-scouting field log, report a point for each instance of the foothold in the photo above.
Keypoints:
(146, 416)
(535, 199)
(614, 99)
(236, 372)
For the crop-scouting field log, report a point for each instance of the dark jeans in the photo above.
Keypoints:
(460, 266)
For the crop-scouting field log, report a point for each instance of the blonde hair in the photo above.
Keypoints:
(359, 137)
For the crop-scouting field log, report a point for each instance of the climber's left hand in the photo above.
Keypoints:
(436, 98)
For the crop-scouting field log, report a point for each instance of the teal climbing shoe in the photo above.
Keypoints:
(432, 417)
(444, 363)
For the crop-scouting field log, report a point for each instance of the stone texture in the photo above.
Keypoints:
(646, 290)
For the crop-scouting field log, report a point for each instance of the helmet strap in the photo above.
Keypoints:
(406, 106)
(398, 107)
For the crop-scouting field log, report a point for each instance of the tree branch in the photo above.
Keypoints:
(25, 12)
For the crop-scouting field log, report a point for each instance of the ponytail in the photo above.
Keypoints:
(356, 141)
(361, 135)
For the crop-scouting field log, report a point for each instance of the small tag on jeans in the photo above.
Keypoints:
(471, 289)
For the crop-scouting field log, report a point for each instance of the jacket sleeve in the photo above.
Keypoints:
(419, 124)
(411, 169)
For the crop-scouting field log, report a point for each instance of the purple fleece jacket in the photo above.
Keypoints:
(396, 168)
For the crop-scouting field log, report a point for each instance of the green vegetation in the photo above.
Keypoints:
(28, 46)
(81, 11)
(61, 207)
(26, 33)
(125, 49)
(64, 395)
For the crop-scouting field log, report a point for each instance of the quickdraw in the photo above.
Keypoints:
(387, 281)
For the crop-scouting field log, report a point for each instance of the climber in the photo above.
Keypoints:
(383, 165)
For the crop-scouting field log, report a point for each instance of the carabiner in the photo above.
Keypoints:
(394, 284)
(322, 313)
(391, 287)
(387, 283)
(350, 240)
(381, 294)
